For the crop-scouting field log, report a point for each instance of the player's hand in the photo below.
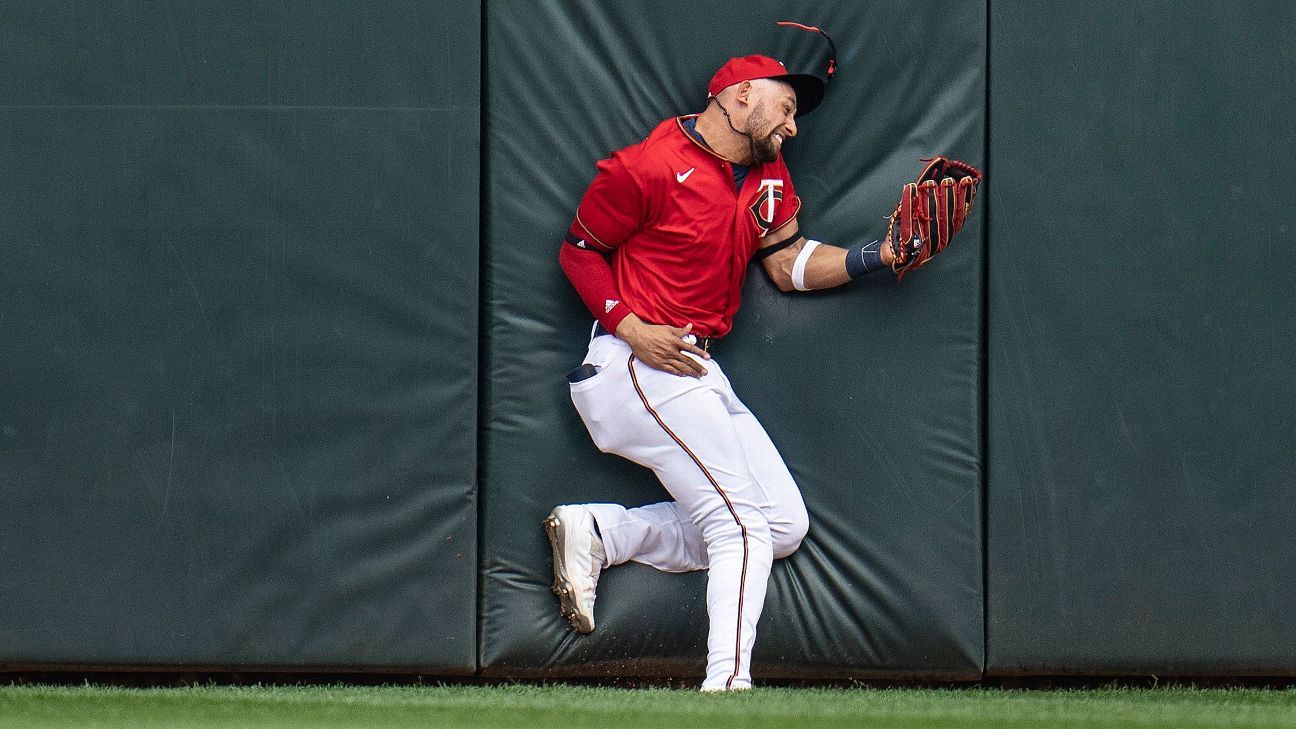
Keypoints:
(887, 255)
(662, 347)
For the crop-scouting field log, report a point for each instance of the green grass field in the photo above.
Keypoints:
(583, 707)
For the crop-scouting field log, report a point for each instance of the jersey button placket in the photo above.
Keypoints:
(727, 169)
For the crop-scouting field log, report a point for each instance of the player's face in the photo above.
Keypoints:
(771, 121)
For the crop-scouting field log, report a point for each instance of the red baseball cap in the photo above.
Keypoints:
(809, 89)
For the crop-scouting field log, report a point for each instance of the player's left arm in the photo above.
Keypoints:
(795, 263)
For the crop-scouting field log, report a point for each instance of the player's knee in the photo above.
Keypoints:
(735, 527)
(790, 530)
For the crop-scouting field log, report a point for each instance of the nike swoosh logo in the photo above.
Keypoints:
(682, 176)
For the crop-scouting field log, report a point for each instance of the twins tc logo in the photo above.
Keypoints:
(771, 192)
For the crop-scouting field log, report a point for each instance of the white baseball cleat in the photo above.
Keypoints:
(577, 561)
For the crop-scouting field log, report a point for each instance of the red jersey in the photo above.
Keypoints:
(679, 234)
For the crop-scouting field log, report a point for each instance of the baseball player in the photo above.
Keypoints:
(658, 251)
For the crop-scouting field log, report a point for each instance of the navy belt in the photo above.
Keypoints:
(705, 343)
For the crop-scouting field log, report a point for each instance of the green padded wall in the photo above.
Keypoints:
(889, 581)
(239, 304)
(237, 423)
(1142, 276)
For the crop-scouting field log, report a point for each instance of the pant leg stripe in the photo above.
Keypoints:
(742, 584)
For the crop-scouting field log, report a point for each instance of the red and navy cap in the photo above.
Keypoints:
(809, 89)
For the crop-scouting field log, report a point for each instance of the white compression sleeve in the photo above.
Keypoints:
(798, 268)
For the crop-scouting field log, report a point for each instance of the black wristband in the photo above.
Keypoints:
(861, 260)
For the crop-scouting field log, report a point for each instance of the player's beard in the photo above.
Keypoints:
(762, 145)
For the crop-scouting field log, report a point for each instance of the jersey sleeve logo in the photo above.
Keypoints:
(765, 204)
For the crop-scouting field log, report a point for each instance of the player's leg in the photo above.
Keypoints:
(686, 435)
(662, 536)
(781, 500)
(586, 538)
(682, 429)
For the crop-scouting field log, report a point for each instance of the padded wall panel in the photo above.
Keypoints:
(1142, 275)
(889, 581)
(237, 425)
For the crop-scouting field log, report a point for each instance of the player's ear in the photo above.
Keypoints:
(744, 92)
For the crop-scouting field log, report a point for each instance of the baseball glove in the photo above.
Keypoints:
(930, 212)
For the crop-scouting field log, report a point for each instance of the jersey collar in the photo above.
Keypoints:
(679, 123)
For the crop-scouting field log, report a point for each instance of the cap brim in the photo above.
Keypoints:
(809, 90)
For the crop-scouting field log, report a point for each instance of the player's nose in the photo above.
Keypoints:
(791, 127)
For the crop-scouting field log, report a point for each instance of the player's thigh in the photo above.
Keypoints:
(780, 498)
(687, 436)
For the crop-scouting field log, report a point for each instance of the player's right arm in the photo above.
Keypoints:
(658, 346)
(608, 215)
(795, 263)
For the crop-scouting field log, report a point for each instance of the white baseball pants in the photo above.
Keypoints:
(735, 509)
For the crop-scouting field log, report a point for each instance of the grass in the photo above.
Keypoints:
(584, 707)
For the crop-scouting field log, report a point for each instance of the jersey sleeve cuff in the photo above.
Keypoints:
(611, 319)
